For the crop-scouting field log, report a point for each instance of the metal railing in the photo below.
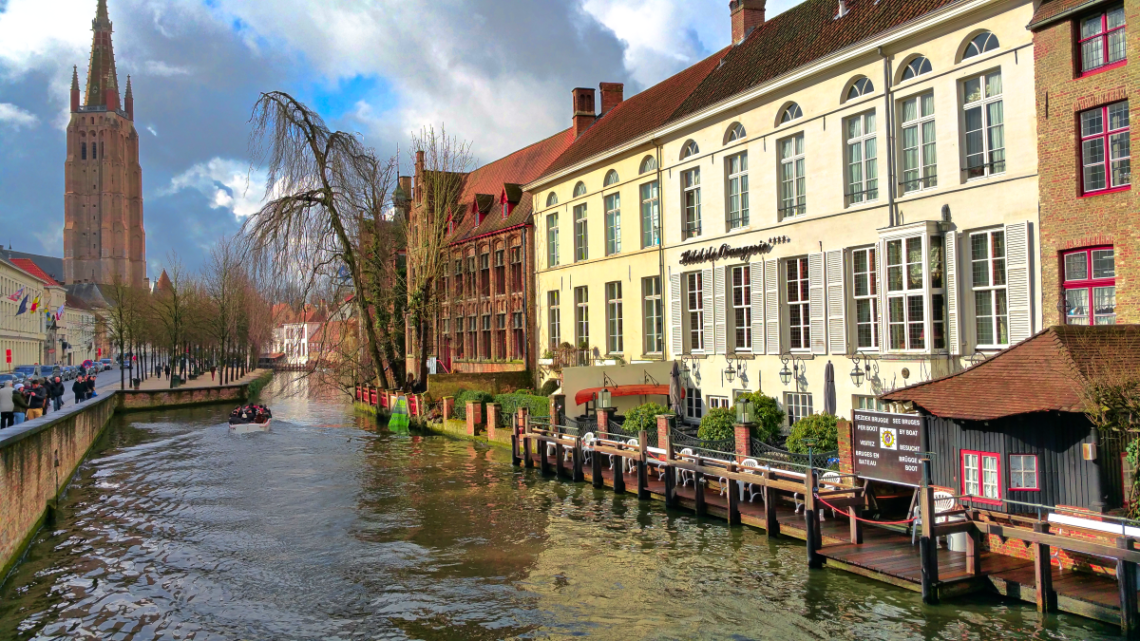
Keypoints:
(792, 460)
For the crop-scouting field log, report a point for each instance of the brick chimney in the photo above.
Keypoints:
(584, 113)
(746, 16)
(612, 95)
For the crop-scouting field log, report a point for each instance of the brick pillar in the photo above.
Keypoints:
(846, 453)
(663, 424)
(604, 416)
(557, 409)
(493, 411)
(521, 417)
(743, 435)
(448, 407)
(474, 417)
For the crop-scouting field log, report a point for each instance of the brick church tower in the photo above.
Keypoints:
(103, 234)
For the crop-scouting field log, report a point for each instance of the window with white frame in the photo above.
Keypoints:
(987, 270)
(798, 301)
(793, 181)
(737, 170)
(613, 224)
(648, 164)
(695, 310)
(919, 153)
(870, 403)
(741, 296)
(611, 178)
(1023, 472)
(718, 402)
(650, 215)
(981, 43)
(797, 405)
(691, 203)
(735, 132)
(581, 234)
(551, 199)
(862, 159)
(985, 125)
(580, 189)
(790, 113)
(917, 66)
(690, 149)
(865, 292)
(1105, 160)
(981, 477)
(554, 317)
(1090, 275)
(906, 304)
(861, 87)
(614, 343)
(1102, 39)
(582, 317)
(552, 240)
(654, 315)
(694, 406)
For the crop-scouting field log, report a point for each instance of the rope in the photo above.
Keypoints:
(863, 520)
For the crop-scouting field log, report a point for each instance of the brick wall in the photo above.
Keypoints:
(846, 452)
(181, 397)
(1068, 220)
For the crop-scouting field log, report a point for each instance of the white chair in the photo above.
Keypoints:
(748, 487)
(628, 462)
(685, 475)
(654, 462)
(830, 480)
(943, 502)
(587, 448)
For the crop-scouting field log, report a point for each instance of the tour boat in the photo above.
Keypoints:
(246, 422)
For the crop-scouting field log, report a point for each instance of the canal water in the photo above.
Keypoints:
(329, 527)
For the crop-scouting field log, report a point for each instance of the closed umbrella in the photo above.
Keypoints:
(676, 391)
(829, 389)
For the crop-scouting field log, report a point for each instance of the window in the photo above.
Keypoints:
(718, 402)
(862, 159)
(551, 199)
(83, 147)
(485, 344)
(690, 149)
(648, 164)
(501, 336)
(471, 276)
(865, 291)
(735, 132)
(981, 477)
(905, 300)
(987, 269)
(613, 224)
(581, 238)
(798, 301)
(654, 315)
(737, 169)
(981, 43)
(793, 188)
(741, 285)
(552, 240)
(1023, 472)
(1090, 275)
(691, 201)
(985, 131)
(920, 163)
(695, 310)
(1105, 149)
(797, 405)
(485, 274)
(611, 178)
(516, 269)
(614, 344)
(916, 67)
(790, 113)
(870, 403)
(580, 189)
(861, 87)
(554, 318)
(694, 406)
(650, 215)
(582, 317)
(1102, 39)
(506, 209)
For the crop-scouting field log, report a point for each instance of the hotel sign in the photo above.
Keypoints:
(725, 251)
(888, 447)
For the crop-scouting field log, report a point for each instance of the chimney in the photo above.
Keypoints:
(746, 16)
(612, 95)
(584, 113)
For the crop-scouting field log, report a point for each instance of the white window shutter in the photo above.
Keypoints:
(772, 304)
(676, 338)
(707, 291)
(836, 301)
(757, 272)
(884, 313)
(817, 306)
(953, 309)
(1017, 269)
(720, 341)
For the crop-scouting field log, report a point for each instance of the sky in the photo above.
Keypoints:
(497, 73)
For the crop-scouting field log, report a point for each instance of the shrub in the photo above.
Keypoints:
(469, 395)
(821, 427)
(643, 417)
(510, 404)
(767, 415)
(716, 425)
(549, 387)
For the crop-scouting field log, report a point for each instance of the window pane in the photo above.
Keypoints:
(1104, 305)
(993, 85)
(1117, 115)
(1078, 303)
(1104, 263)
(1076, 266)
(1090, 26)
(1117, 46)
(928, 104)
(910, 110)
(983, 306)
(1092, 122)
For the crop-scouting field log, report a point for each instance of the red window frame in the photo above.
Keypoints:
(1102, 35)
(1088, 283)
(1105, 134)
(981, 480)
(1036, 473)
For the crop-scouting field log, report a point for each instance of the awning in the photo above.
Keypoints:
(586, 395)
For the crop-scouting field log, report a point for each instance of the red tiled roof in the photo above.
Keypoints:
(1050, 10)
(1042, 373)
(27, 265)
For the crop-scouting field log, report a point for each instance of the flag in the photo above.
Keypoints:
(35, 303)
(59, 313)
(23, 306)
(16, 296)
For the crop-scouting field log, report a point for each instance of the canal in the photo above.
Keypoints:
(329, 527)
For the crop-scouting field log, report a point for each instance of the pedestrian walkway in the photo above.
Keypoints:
(161, 383)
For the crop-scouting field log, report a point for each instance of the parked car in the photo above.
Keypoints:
(6, 378)
(69, 372)
(106, 362)
(53, 370)
(27, 371)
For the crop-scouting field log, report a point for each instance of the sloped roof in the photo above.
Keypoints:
(75, 302)
(96, 296)
(163, 284)
(1058, 9)
(1042, 373)
(27, 265)
(51, 265)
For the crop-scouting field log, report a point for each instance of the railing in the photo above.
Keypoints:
(984, 169)
(919, 183)
(860, 197)
(793, 210)
(792, 460)
(722, 449)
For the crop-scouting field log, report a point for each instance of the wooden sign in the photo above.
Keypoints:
(888, 447)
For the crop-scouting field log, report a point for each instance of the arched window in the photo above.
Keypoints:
(580, 189)
(690, 149)
(735, 132)
(551, 199)
(611, 177)
(649, 163)
(916, 67)
(790, 113)
(981, 43)
(861, 87)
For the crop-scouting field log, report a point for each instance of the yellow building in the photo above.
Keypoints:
(21, 336)
(833, 187)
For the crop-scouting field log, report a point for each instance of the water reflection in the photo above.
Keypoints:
(328, 527)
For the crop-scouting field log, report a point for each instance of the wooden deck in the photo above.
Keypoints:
(1096, 596)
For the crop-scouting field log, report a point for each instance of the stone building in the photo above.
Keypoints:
(1090, 232)
(103, 236)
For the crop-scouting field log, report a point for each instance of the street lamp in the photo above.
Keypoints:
(810, 443)
(857, 375)
(729, 372)
(785, 374)
(604, 398)
(744, 412)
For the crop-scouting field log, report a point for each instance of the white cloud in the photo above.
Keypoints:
(164, 70)
(15, 117)
(227, 183)
(152, 130)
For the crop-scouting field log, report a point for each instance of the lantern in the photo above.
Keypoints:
(604, 398)
(744, 412)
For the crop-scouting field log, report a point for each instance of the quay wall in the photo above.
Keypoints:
(140, 400)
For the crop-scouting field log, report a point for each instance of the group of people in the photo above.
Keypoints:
(38, 397)
(250, 414)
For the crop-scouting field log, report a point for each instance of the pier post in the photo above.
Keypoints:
(527, 460)
(928, 554)
(1043, 572)
(619, 473)
(811, 520)
(577, 472)
(559, 456)
(642, 465)
(670, 472)
(973, 553)
(853, 514)
(699, 506)
(733, 498)
(543, 462)
(771, 518)
(1126, 582)
(596, 478)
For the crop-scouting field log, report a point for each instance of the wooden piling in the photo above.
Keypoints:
(811, 521)
(771, 520)
(733, 493)
(1126, 582)
(559, 456)
(596, 470)
(928, 555)
(527, 460)
(853, 514)
(699, 491)
(642, 465)
(619, 474)
(670, 471)
(1043, 571)
(543, 463)
(578, 453)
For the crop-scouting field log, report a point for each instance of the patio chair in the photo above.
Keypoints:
(831, 479)
(587, 448)
(748, 487)
(943, 502)
(686, 475)
(628, 462)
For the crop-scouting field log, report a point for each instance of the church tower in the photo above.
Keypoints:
(103, 236)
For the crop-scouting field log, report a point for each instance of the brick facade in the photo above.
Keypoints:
(1070, 219)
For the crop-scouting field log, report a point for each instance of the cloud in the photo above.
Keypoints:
(227, 184)
(162, 69)
(15, 117)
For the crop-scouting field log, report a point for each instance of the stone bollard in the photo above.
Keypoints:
(474, 417)
(743, 434)
(448, 407)
(493, 411)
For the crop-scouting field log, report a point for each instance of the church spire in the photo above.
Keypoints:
(129, 100)
(74, 89)
(102, 63)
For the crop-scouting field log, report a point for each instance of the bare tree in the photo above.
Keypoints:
(172, 310)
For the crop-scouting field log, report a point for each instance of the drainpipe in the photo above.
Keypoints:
(526, 304)
(892, 208)
(660, 244)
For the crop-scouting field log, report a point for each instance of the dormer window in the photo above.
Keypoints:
(506, 209)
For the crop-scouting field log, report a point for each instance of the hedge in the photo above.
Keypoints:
(821, 427)
(510, 403)
(717, 425)
(469, 395)
(643, 417)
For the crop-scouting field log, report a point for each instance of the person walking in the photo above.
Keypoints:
(57, 394)
(7, 406)
(20, 401)
(166, 371)
(213, 368)
(36, 400)
(90, 388)
(79, 388)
